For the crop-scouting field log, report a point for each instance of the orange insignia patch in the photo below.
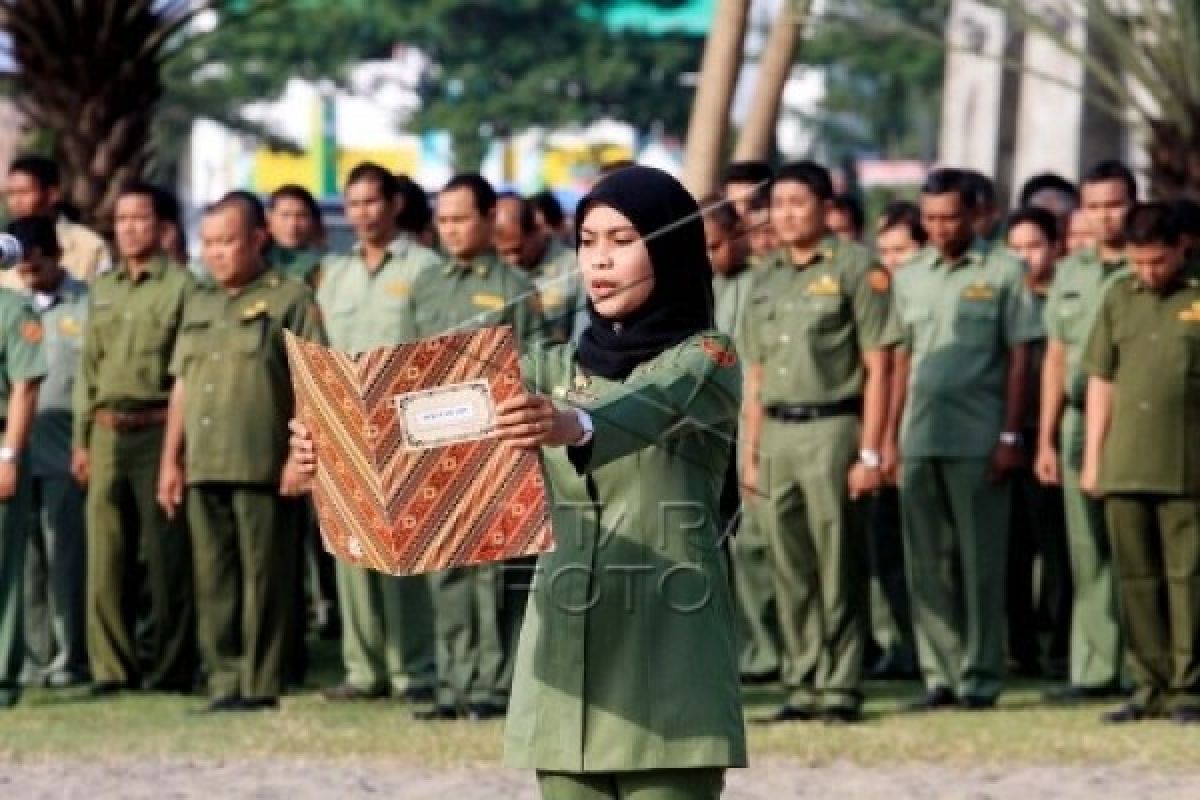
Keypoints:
(879, 280)
(31, 331)
(719, 354)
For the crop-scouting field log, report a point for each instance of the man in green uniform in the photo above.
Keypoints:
(226, 443)
(22, 367)
(525, 246)
(960, 382)
(477, 609)
(387, 621)
(294, 221)
(1143, 452)
(1108, 192)
(120, 400)
(753, 577)
(55, 631)
(817, 337)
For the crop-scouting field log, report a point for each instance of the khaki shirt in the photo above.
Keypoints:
(364, 309)
(128, 341)
(1147, 344)
(628, 654)
(731, 297)
(64, 314)
(486, 292)
(238, 389)
(22, 355)
(960, 320)
(1080, 283)
(809, 325)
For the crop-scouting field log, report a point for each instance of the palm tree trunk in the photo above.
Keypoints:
(758, 134)
(708, 126)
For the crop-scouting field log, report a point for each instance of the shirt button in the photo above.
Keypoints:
(783, 370)
(1154, 337)
(215, 356)
(208, 387)
(1144, 406)
(785, 338)
(206, 422)
(128, 315)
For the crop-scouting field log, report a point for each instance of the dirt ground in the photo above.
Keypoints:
(313, 780)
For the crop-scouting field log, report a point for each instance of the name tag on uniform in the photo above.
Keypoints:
(492, 302)
(396, 289)
(824, 286)
(1191, 314)
(979, 291)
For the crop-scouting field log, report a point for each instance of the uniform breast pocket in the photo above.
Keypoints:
(825, 319)
(194, 340)
(976, 323)
(1070, 318)
(250, 335)
(152, 334)
(919, 323)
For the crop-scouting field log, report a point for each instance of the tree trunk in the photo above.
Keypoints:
(708, 126)
(758, 134)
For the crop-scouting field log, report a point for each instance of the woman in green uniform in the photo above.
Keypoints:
(626, 680)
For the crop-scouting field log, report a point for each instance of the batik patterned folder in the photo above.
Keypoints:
(408, 480)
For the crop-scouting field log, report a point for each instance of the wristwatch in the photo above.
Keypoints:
(1009, 438)
(870, 458)
(585, 422)
(8, 455)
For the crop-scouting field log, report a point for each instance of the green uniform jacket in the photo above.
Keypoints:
(560, 292)
(628, 658)
(63, 315)
(232, 361)
(731, 296)
(128, 341)
(302, 265)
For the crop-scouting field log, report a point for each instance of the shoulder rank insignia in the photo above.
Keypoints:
(825, 286)
(979, 291)
(718, 353)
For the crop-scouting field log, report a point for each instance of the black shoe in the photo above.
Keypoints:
(760, 678)
(1065, 695)
(842, 716)
(890, 668)
(436, 714)
(788, 714)
(1129, 712)
(260, 704)
(1186, 715)
(938, 699)
(482, 712)
(975, 702)
(418, 697)
(222, 705)
(107, 689)
(345, 693)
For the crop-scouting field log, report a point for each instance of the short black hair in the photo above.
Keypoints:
(245, 202)
(140, 188)
(757, 172)
(526, 214)
(43, 170)
(1187, 214)
(379, 175)
(416, 215)
(166, 206)
(293, 191)
(1153, 223)
(719, 210)
(903, 214)
(849, 203)
(548, 206)
(807, 173)
(1040, 218)
(35, 233)
(1044, 182)
(1112, 170)
(478, 186)
(983, 187)
(948, 180)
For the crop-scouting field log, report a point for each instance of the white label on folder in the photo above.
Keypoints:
(461, 412)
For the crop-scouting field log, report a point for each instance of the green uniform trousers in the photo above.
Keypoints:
(754, 588)
(658, 784)
(14, 533)
(890, 618)
(387, 630)
(955, 549)
(1156, 552)
(1095, 651)
(55, 576)
(244, 546)
(470, 639)
(818, 556)
(125, 526)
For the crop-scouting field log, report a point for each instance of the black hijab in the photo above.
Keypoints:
(681, 304)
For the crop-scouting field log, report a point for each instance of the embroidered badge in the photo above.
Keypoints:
(69, 327)
(492, 302)
(396, 288)
(1191, 314)
(825, 286)
(553, 298)
(31, 331)
(979, 291)
(255, 310)
(718, 353)
(879, 279)
(581, 391)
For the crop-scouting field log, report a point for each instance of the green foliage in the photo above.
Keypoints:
(884, 86)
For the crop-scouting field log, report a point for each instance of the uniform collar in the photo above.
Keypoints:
(268, 277)
(397, 248)
(481, 265)
(826, 251)
(975, 254)
(152, 271)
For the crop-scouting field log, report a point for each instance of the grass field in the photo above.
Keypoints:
(48, 725)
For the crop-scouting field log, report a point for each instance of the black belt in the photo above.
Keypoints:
(808, 413)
